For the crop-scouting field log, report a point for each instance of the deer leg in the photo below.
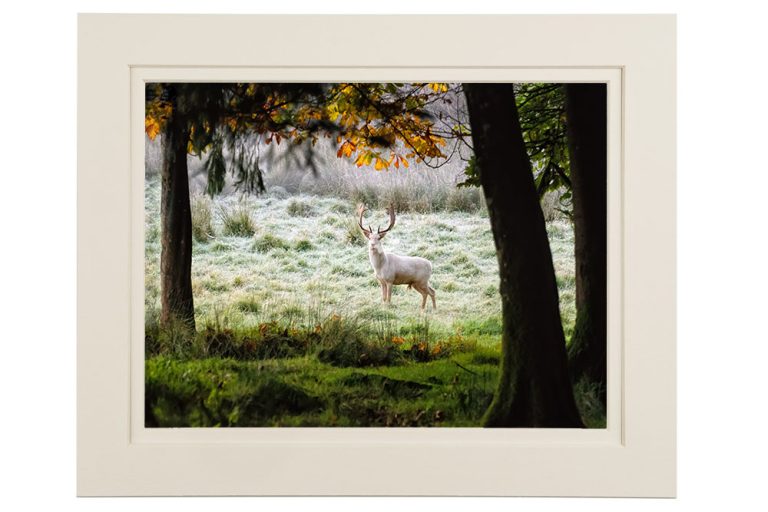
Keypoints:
(432, 294)
(389, 293)
(383, 290)
(423, 291)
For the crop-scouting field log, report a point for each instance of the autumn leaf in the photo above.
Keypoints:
(151, 127)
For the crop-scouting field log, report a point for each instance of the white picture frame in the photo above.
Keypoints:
(633, 456)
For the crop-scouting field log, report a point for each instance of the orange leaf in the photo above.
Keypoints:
(152, 127)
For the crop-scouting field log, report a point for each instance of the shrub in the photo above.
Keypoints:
(202, 225)
(366, 195)
(465, 199)
(398, 196)
(237, 221)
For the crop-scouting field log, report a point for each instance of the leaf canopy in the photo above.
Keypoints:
(373, 124)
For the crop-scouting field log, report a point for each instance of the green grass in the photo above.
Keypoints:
(237, 221)
(202, 219)
(299, 208)
(304, 391)
(268, 270)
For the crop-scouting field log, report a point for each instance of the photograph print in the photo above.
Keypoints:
(375, 255)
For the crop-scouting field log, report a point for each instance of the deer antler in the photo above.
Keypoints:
(391, 212)
(361, 209)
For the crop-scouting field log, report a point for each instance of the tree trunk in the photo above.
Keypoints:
(586, 111)
(176, 218)
(534, 387)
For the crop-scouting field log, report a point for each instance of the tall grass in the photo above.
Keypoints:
(237, 221)
(419, 188)
(202, 218)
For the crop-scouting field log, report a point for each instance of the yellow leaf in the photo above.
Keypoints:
(152, 127)
(405, 162)
(379, 164)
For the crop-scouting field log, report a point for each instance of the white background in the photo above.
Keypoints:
(722, 279)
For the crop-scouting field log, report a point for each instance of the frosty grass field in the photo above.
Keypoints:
(291, 330)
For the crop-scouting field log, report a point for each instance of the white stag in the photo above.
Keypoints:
(392, 269)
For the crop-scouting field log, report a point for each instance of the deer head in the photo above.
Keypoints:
(374, 238)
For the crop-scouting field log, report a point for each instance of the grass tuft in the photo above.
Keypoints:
(269, 242)
(237, 221)
(299, 208)
(303, 245)
(202, 219)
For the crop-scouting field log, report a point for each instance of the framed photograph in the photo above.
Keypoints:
(391, 268)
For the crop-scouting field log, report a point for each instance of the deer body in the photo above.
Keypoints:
(394, 269)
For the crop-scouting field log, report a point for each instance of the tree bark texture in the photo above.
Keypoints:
(176, 218)
(534, 388)
(586, 111)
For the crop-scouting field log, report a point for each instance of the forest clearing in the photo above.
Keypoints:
(275, 275)
(290, 308)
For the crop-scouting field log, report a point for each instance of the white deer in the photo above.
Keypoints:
(391, 269)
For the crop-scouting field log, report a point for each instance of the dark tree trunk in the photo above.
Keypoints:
(534, 388)
(176, 234)
(586, 111)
